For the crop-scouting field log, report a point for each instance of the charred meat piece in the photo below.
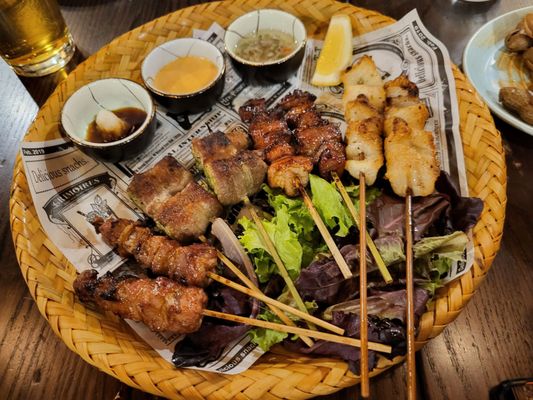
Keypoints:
(297, 98)
(401, 92)
(187, 214)
(310, 119)
(183, 214)
(310, 140)
(150, 189)
(162, 304)
(252, 107)
(415, 115)
(238, 136)
(187, 264)
(278, 150)
(234, 178)
(411, 160)
(283, 173)
(266, 131)
(363, 78)
(218, 145)
(332, 159)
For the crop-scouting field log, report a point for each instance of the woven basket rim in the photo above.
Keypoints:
(49, 276)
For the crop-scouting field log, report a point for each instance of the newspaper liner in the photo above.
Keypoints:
(68, 187)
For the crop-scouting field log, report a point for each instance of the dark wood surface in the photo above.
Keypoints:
(490, 341)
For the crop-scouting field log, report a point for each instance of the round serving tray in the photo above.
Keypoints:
(106, 342)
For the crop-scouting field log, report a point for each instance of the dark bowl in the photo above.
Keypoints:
(82, 106)
(189, 103)
(276, 71)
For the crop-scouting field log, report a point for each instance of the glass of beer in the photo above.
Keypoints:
(34, 39)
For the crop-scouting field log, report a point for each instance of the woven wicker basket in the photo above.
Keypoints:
(107, 343)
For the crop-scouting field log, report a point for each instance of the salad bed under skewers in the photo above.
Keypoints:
(290, 141)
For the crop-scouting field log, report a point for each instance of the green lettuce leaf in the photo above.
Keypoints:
(253, 244)
(266, 338)
(328, 203)
(284, 239)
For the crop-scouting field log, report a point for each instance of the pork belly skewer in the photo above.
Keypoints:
(412, 169)
(197, 262)
(168, 194)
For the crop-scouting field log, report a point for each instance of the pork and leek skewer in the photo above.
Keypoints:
(412, 169)
(232, 171)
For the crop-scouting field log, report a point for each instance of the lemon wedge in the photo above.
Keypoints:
(336, 53)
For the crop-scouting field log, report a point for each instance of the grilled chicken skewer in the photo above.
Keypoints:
(317, 142)
(294, 137)
(412, 169)
(409, 150)
(162, 304)
(364, 101)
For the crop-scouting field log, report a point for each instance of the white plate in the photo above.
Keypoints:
(480, 63)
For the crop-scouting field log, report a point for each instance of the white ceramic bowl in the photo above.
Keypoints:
(191, 102)
(82, 106)
(480, 63)
(273, 71)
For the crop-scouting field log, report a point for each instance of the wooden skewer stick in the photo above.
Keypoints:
(363, 317)
(411, 366)
(339, 259)
(244, 279)
(297, 331)
(279, 262)
(370, 243)
(265, 299)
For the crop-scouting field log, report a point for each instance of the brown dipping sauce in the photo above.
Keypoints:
(132, 115)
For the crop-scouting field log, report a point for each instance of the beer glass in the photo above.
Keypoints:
(34, 39)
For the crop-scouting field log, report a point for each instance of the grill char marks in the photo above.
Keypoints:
(186, 264)
(168, 194)
(316, 140)
(162, 304)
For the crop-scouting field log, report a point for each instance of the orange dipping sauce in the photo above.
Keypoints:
(185, 75)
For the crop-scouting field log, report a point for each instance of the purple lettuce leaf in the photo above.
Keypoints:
(206, 344)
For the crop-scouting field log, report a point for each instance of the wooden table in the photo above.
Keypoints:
(489, 342)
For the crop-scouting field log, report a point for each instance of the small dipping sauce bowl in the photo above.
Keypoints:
(111, 94)
(266, 72)
(188, 103)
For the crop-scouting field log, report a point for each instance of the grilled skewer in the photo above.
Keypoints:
(161, 303)
(168, 194)
(192, 264)
(232, 171)
(188, 265)
(412, 169)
